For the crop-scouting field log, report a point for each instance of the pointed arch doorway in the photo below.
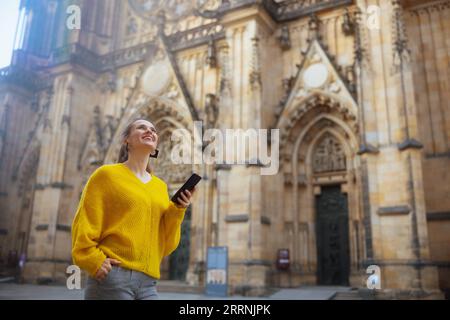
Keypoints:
(332, 218)
(326, 233)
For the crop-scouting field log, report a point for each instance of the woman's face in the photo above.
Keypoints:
(143, 135)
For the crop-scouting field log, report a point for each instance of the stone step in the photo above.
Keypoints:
(178, 287)
(8, 275)
(349, 295)
(7, 279)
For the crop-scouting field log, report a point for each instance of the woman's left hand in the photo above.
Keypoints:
(184, 200)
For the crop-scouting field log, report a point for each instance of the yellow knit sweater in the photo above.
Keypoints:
(123, 218)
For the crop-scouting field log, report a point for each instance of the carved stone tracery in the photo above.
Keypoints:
(328, 155)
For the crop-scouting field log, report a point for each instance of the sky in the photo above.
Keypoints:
(9, 13)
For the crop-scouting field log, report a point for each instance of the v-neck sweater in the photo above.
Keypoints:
(121, 217)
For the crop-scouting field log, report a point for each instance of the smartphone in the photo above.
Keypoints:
(188, 185)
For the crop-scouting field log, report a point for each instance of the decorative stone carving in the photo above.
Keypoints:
(287, 84)
(359, 49)
(317, 72)
(207, 7)
(173, 10)
(348, 25)
(402, 54)
(109, 129)
(255, 73)
(314, 28)
(285, 38)
(279, 10)
(328, 155)
(172, 92)
(97, 140)
(334, 87)
(196, 36)
(112, 81)
(132, 26)
(98, 126)
(225, 72)
(211, 110)
(301, 93)
(211, 59)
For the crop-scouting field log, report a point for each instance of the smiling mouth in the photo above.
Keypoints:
(149, 137)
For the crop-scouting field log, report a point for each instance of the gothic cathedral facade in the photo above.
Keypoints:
(359, 91)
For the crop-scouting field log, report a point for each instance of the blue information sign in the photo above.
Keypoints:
(217, 272)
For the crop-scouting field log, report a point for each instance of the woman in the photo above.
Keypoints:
(125, 223)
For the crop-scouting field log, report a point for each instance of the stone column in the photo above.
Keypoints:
(42, 266)
(393, 196)
(17, 116)
(241, 226)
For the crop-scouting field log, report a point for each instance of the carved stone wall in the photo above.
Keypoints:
(328, 156)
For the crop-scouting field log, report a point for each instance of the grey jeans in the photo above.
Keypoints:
(122, 284)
